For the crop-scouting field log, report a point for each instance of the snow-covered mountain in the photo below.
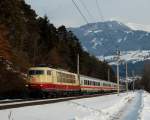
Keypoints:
(103, 38)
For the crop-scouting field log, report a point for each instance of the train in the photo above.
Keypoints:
(50, 82)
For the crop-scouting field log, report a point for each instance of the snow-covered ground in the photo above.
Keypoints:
(130, 56)
(131, 106)
(145, 112)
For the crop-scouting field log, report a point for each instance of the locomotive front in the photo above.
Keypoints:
(38, 78)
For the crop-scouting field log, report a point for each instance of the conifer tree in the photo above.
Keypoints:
(5, 49)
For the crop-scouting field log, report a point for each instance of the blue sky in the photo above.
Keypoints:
(64, 12)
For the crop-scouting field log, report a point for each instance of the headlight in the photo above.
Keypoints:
(27, 85)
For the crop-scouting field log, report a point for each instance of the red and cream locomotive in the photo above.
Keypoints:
(48, 82)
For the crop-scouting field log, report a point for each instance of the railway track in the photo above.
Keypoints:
(33, 102)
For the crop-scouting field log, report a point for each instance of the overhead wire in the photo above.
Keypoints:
(85, 19)
(77, 7)
(99, 10)
(87, 22)
(84, 6)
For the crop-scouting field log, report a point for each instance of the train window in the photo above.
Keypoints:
(104, 84)
(65, 78)
(84, 82)
(36, 72)
(88, 82)
(39, 72)
(97, 83)
(31, 72)
(48, 72)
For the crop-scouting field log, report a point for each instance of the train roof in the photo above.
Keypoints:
(40, 68)
(48, 68)
(95, 79)
(64, 71)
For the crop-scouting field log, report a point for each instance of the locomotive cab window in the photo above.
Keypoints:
(48, 72)
(36, 72)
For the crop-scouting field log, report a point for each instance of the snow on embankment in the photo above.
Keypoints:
(107, 108)
(97, 108)
(145, 112)
(132, 109)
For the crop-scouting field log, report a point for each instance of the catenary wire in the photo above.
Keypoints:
(85, 19)
(99, 10)
(85, 7)
(77, 7)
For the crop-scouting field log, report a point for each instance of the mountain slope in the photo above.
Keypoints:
(103, 38)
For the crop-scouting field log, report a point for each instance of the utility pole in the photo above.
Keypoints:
(126, 76)
(108, 74)
(133, 80)
(118, 61)
(78, 67)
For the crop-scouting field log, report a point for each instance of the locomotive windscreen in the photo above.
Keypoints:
(36, 72)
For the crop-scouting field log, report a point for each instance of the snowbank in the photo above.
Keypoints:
(97, 108)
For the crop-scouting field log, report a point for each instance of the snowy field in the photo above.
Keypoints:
(130, 56)
(145, 112)
(131, 106)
